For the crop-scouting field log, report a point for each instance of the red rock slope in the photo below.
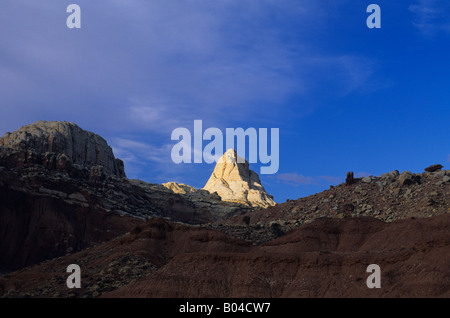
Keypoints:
(326, 258)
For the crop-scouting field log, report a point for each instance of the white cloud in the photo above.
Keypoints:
(157, 117)
(331, 179)
(132, 151)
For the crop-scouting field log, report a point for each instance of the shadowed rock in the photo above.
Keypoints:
(350, 179)
(61, 146)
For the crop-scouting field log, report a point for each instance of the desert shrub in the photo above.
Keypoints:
(246, 220)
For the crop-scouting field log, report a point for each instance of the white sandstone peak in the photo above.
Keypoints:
(234, 181)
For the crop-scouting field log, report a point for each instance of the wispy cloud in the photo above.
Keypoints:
(431, 16)
(133, 152)
(157, 64)
(296, 179)
(139, 156)
(343, 74)
(362, 174)
(146, 161)
(158, 117)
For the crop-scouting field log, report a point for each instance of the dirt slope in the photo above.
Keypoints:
(326, 258)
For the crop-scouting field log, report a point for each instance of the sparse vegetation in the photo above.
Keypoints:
(246, 220)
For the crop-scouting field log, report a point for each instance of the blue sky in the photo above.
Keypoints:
(345, 97)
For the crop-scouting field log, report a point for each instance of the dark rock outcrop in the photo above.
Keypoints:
(350, 179)
(406, 178)
(434, 168)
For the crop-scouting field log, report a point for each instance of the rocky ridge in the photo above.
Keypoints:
(387, 197)
(138, 239)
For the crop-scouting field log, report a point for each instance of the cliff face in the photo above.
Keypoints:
(46, 208)
(61, 146)
(40, 224)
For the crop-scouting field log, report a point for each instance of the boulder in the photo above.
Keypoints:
(407, 178)
(390, 175)
(366, 180)
(434, 168)
(179, 187)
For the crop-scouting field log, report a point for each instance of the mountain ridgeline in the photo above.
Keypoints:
(62, 190)
(65, 198)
